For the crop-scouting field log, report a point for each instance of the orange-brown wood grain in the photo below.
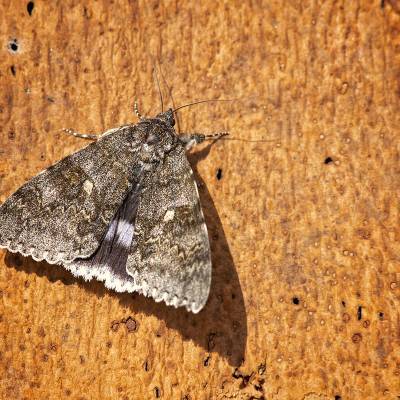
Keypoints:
(304, 227)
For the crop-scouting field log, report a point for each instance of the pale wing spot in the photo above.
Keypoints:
(169, 215)
(146, 148)
(88, 187)
(124, 233)
(151, 138)
(124, 225)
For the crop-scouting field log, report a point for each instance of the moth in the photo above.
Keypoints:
(124, 210)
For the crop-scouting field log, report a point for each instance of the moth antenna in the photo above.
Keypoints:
(193, 139)
(136, 110)
(201, 101)
(252, 141)
(159, 88)
(221, 135)
(88, 136)
(172, 98)
(214, 136)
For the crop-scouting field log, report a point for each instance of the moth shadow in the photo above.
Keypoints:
(220, 327)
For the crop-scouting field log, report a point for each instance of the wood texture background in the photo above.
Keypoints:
(306, 277)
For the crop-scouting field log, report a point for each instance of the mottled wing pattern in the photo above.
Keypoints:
(63, 212)
(108, 263)
(170, 254)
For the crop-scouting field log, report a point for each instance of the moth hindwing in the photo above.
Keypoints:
(124, 210)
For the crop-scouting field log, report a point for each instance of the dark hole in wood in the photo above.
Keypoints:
(30, 6)
(219, 173)
(206, 362)
(359, 313)
(296, 300)
(13, 45)
(328, 160)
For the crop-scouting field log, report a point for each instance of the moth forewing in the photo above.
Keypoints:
(124, 210)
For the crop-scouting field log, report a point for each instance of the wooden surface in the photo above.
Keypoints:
(304, 228)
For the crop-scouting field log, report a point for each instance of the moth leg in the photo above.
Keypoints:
(81, 135)
(191, 139)
(136, 110)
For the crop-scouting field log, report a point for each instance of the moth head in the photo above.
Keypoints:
(167, 117)
(159, 139)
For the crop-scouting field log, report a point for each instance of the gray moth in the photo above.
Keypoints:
(124, 210)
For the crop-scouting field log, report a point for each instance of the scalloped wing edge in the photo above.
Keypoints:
(41, 256)
(102, 274)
